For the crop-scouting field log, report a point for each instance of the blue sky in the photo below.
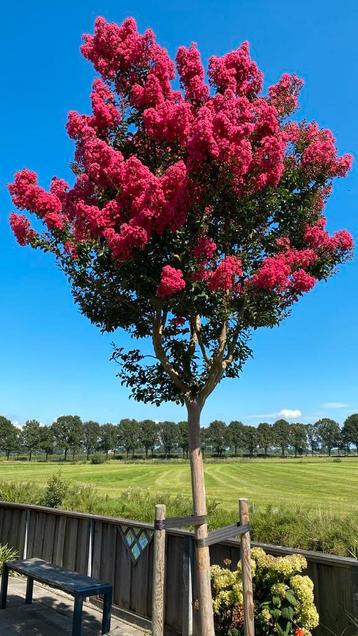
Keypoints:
(52, 360)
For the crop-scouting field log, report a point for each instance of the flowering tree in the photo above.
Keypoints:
(196, 216)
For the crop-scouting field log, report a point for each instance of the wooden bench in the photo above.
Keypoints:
(77, 585)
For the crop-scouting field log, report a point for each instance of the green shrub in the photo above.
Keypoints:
(55, 491)
(6, 554)
(283, 598)
(21, 492)
(98, 458)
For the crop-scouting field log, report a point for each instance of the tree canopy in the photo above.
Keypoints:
(196, 214)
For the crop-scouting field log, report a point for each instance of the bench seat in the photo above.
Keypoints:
(78, 585)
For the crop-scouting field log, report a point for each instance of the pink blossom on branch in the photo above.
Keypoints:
(301, 281)
(191, 73)
(273, 273)
(171, 282)
(21, 227)
(225, 275)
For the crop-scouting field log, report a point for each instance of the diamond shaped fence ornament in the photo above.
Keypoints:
(136, 540)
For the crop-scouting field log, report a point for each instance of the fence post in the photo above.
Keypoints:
(158, 571)
(249, 628)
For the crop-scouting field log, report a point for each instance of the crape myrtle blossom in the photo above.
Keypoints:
(200, 182)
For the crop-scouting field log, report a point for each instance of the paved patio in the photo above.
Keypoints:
(51, 614)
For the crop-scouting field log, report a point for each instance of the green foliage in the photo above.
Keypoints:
(107, 437)
(55, 491)
(21, 492)
(148, 435)
(329, 433)
(265, 436)
(9, 436)
(350, 430)
(298, 438)
(98, 458)
(183, 437)
(281, 435)
(6, 554)
(283, 597)
(68, 432)
(128, 432)
(251, 439)
(31, 436)
(236, 435)
(168, 433)
(90, 437)
(218, 437)
(47, 440)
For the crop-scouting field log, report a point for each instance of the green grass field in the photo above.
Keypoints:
(318, 483)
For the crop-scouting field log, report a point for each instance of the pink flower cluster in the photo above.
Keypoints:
(21, 227)
(236, 72)
(284, 94)
(318, 153)
(204, 249)
(224, 277)
(318, 238)
(171, 282)
(191, 73)
(273, 273)
(122, 55)
(26, 194)
(288, 268)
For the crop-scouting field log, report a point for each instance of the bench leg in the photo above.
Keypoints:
(77, 616)
(29, 590)
(4, 585)
(107, 608)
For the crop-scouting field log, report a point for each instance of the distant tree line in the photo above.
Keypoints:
(69, 435)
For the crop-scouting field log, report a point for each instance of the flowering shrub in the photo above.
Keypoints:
(283, 597)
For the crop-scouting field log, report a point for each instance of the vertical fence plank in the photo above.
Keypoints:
(90, 547)
(158, 572)
(187, 587)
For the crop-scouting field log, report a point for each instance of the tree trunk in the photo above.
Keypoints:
(30, 455)
(66, 451)
(199, 501)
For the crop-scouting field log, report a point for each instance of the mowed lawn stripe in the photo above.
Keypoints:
(323, 483)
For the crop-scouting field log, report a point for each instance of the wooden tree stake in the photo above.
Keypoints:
(249, 628)
(158, 572)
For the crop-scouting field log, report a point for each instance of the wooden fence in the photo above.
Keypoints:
(121, 551)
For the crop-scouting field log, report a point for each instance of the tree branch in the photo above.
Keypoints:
(197, 329)
(162, 357)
